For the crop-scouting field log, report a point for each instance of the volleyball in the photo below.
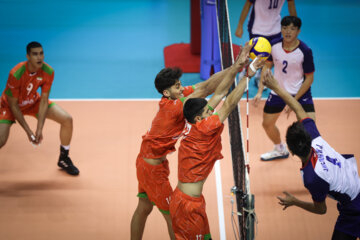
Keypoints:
(260, 46)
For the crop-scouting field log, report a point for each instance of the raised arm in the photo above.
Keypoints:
(292, 9)
(245, 11)
(209, 86)
(272, 83)
(257, 98)
(234, 97)
(223, 80)
(224, 86)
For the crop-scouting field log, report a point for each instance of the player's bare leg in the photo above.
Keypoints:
(60, 116)
(169, 225)
(4, 133)
(139, 218)
(273, 133)
(270, 128)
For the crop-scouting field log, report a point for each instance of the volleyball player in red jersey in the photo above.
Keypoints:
(20, 98)
(167, 126)
(199, 149)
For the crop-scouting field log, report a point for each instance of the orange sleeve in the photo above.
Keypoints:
(12, 87)
(210, 125)
(46, 86)
(188, 90)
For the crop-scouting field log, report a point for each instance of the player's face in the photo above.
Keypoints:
(290, 33)
(206, 113)
(35, 58)
(175, 91)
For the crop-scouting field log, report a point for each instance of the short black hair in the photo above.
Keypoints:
(298, 140)
(286, 21)
(166, 78)
(194, 107)
(32, 45)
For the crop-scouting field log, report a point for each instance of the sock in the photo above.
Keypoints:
(67, 147)
(279, 147)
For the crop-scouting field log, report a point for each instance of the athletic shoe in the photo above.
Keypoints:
(274, 154)
(66, 163)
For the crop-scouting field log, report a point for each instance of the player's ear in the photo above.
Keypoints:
(197, 119)
(166, 93)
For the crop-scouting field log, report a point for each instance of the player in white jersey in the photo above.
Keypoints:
(294, 68)
(324, 171)
(264, 20)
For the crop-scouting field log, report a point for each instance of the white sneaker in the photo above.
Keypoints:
(274, 154)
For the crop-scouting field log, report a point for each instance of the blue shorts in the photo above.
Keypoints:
(349, 218)
(269, 38)
(275, 104)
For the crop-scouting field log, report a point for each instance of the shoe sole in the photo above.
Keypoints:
(274, 158)
(71, 173)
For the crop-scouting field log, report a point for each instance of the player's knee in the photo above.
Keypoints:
(68, 120)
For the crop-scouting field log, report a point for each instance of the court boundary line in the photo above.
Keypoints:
(158, 99)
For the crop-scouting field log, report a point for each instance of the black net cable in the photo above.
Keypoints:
(234, 121)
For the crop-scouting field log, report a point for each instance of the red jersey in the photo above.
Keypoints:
(166, 128)
(199, 149)
(23, 85)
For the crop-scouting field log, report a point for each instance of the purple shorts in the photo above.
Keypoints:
(269, 38)
(349, 218)
(275, 104)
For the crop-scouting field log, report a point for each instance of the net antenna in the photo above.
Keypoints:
(241, 189)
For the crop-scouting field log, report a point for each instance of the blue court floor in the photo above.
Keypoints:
(114, 49)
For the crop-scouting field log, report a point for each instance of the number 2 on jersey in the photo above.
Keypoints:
(285, 63)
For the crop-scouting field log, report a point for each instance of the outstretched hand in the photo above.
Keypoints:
(255, 65)
(243, 58)
(287, 201)
(269, 80)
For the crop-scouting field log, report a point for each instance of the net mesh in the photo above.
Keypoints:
(234, 121)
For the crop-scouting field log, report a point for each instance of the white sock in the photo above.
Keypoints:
(67, 147)
(280, 147)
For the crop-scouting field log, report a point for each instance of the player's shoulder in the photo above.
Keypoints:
(276, 41)
(303, 47)
(18, 70)
(47, 69)
(166, 104)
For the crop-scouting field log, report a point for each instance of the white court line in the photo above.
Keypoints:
(158, 99)
(220, 200)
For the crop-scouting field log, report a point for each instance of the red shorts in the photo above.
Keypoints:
(6, 115)
(188, 216)
(154, 183)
